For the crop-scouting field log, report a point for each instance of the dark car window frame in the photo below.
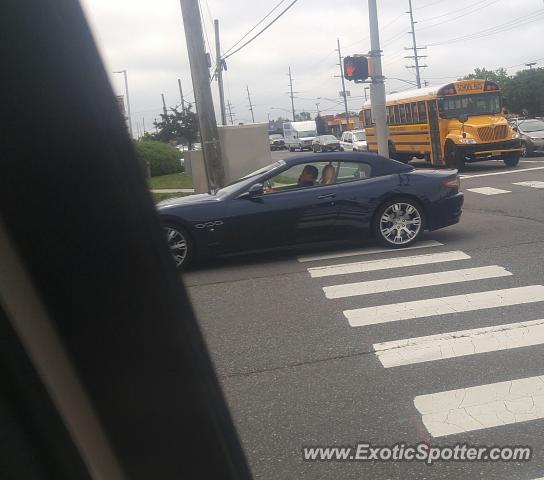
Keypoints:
(355, 179)
(268, 176)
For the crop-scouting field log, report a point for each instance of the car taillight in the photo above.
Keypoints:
(453, 182)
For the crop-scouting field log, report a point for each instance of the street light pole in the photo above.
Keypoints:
(124, 72)
(377, 87)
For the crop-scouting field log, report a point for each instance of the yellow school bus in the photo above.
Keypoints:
(448, 125)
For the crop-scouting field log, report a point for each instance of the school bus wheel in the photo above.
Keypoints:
(453, 156)
(511, 159)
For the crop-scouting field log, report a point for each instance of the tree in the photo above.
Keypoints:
(321, 125)
(343, 114)
(303, 116)
(499, 76)
(525, 92)
(178, 127)
(522, 92)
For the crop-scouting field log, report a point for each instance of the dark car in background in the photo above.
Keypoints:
(531, 132)
(325, 143)
(297, 201)
(276, 141)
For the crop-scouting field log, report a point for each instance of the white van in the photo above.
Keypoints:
(354, 140)
(299, 135)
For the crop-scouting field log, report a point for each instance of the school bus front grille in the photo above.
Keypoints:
(488, 134)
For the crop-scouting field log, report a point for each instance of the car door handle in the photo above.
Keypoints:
(327, 195)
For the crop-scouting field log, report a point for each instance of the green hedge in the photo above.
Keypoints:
(161, 157)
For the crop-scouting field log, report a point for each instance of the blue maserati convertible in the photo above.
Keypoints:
(313, 198)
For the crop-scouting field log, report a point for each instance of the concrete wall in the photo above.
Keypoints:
(244, 148)
(194, 166)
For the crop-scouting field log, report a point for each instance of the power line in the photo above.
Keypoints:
(429, 4)
(256, 25)
(470, 12)
(262, 30)
(523, 20)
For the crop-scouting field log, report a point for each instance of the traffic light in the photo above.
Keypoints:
(356, 68)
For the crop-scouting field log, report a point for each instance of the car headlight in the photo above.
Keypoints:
(467, 140)
(515, 135)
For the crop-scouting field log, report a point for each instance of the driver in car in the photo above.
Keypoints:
(308, 177)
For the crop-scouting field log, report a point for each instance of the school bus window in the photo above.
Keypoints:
(415, 116)
(409, 113)
(368, 118)
(387, 116)
(402, 110)
(422, 112)
(397, 115)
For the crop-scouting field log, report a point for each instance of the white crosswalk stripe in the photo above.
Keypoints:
(482, 406)
(415, 281)
(365, 251)
(532, 184)
(460, 343)
(387, 263)
(444, 305)
(488, 190)
(450, 411)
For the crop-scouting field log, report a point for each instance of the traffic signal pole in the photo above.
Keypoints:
(377, 86)
(343, 84)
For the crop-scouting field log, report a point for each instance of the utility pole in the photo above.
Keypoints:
(343, 84)
(143, 123)
(230, 112)
(416, 57)
(291, 94)
(124, 72)
(181, 95)
(203, 95)
(377, 87)
(155, 123)
(250, 105)
(317, 107)
(219, 71)
(164, 110)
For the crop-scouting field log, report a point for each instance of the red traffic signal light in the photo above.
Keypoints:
(356, 68)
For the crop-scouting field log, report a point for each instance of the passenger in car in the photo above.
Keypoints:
(308, 177)
(327, 175)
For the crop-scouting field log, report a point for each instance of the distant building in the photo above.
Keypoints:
(338, 124)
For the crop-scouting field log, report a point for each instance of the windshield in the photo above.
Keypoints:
(359, 137)
(307, 133)
(531, 126)
(240, 182)
(480, 104)
(329, 138)
(276, 137)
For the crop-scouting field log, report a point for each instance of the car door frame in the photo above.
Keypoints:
(294, 229)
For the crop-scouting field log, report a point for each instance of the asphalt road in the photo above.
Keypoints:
(297, 373)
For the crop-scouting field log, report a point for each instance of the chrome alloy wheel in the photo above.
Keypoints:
(400, 223)
(178, 245)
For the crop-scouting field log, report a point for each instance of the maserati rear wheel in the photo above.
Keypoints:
(399, 222)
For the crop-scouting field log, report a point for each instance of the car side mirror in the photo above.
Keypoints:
(255, 190)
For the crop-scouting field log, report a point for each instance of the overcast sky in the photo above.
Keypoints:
(147, 39)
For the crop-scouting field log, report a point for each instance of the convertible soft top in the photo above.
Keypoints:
(380, 165)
